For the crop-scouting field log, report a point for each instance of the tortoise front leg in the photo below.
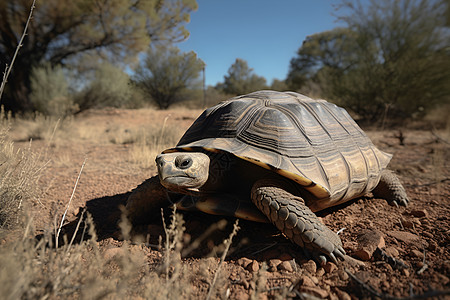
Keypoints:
(147, 199)
(290, 214)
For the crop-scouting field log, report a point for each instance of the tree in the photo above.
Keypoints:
(279, 85)
(392, 56)
(65, 32)
(166, 75)
(241, 79)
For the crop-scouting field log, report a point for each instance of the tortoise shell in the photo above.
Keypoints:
(312, 142)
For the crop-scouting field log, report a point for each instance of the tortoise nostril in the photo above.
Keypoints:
(183, 162)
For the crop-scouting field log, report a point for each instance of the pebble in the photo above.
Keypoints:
(253, 266)
(392, 251)
(405, 272)
(243, 262)
(419, 213)
(306, 281)
(286, 266)
(404, 236)
(320, 272)
(343, 275)
(330, 267)
(310, 266)
(428, 234)
(273, 264)
(342, 295)
(368, 242)
(416, 253)
(315, 291)
(407, 223)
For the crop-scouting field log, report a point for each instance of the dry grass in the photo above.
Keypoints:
(19, 174)
(36, 270)
(150, 142)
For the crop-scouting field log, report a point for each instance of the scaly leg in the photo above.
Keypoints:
(391, 189)
(290, 214)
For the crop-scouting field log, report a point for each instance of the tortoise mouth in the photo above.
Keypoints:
(180, 183)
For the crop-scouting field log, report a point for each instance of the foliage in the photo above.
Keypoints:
(166, 74)
(279, 85)
(241, 79)
(63, 32)
(19, 172)
(50, 91)
(110, 87)
(392, 57)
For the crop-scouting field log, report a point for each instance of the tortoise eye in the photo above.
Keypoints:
(183, 162)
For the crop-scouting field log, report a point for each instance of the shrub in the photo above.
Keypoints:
(110, 87)
(50, 91)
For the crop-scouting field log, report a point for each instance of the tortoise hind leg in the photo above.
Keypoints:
(391, 189)
(290, 214)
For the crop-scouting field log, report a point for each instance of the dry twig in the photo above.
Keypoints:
(19, 45)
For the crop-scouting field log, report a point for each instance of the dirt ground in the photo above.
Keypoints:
(415, 239)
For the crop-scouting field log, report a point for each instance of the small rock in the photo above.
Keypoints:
(416, 253)
(405, 272)
(320, 272)
(329, 267)
(253, 266)
(354, 262)
(315, 291)
(273, 264)
(343, 295)
(407, 223)
(343, 275)
(419, 213)
(368, 242)
(428, 234)
(404, 236)
(314, 279)
(333, 297)
(243, 262)
(306, 281)
(392, 251)
(286, 266)
(310, 266)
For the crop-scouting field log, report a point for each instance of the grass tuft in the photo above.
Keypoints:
(20, 170)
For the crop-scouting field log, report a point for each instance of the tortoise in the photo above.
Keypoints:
(271, 156)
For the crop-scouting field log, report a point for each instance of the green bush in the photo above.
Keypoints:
(50, 91)
(110, 87)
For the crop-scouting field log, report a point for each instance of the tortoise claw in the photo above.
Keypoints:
(341, 252)
(333, 258)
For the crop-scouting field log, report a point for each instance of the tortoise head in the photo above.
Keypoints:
(183, 172)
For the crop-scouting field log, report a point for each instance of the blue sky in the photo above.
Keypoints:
(265, 33)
